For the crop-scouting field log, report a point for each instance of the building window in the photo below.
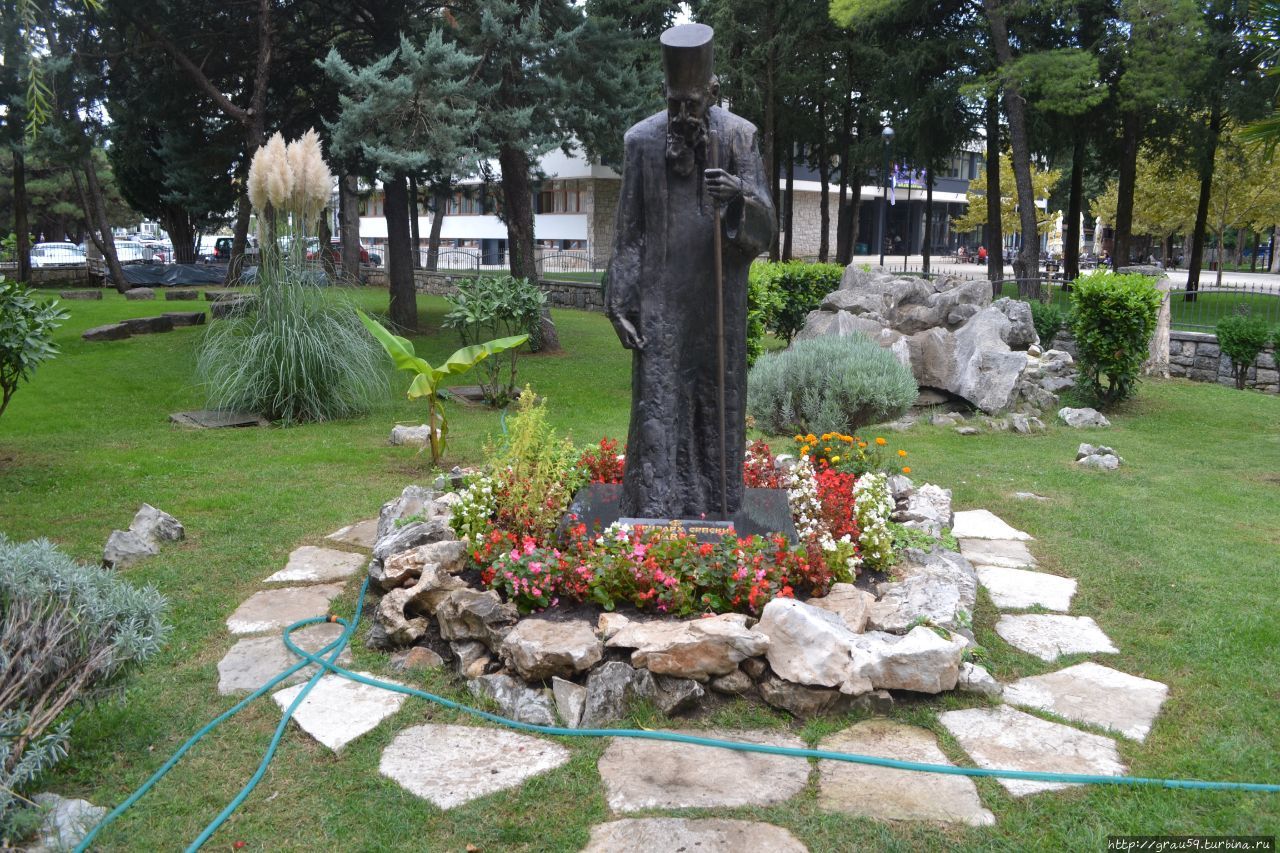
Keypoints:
(558, 197)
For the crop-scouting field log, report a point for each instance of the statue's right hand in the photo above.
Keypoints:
(627, 334)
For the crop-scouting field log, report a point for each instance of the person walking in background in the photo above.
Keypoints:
(982, 254)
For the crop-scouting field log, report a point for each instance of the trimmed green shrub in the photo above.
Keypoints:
(1049, 320)
(797, 288)
(67, 633)
(760, 305)
(488, 307)
(828, 384)
(1114, 317)
(26, 335)
(298, 354)
(1241, 338)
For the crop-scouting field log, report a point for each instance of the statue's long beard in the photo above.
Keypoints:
(686, 145)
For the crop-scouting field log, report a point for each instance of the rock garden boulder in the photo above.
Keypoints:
(1098, 458)
(939, 588)
(541, 648)
(517, 700)
(150, 527)
(611, 688)
(923, 660)
(109, 332)
(851, 604)
(927, 508)
(139, 293)
(809, 645)
(951, 335)
(697, 649)
(1082, 417)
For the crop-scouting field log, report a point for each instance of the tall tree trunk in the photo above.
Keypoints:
(349, 226)
(404, 294)
(1273, 263)
(1026, 264)
(439, 204)
(517, 200)
(770, 130)
(1075, 202)
(1202, 205)
(1130, 124)
(240, 239)
(789, 199)
(414, 229)
(324, 236)
(21, 227)
(1253, 251)
(824, 206)
(844, 239)
(995, 229)
(182, 234)
(96, 206)
(927, 248)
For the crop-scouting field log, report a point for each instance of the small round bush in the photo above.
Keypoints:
(1049, 320)
(828, 384)
(1241, 338)
(1113, 319)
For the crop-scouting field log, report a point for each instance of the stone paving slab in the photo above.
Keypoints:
(983, 524)
(338, 710)
(310, 564)
(653, 774)
(1007, 739)
(1096, 694)
(277, 609)
(887, 794)
(253, 661)
(1049, 636)
(1014, 589)
(452, 765)
(709, 835)
(1010, 553)
(362, 534)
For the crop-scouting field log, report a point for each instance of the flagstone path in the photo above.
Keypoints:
(450, 765)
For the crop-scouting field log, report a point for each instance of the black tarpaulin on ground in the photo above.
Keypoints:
(167, 275)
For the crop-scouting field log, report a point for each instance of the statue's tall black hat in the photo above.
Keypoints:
(688, 56)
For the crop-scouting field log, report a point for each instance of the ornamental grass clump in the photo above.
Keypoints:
(297, 353)
(828, 384)
(68, 632)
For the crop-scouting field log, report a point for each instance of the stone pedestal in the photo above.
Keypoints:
(764, 512)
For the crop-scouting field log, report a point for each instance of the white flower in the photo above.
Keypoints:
(312, 179)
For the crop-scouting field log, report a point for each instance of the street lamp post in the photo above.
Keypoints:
(887, 136)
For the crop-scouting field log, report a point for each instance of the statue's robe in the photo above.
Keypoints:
(662, 279)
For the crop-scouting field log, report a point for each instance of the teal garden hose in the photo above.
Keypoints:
(325, 660)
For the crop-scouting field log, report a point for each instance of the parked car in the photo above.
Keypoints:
(131, 252)
(335, 251)
(222, 250)
(56, 254)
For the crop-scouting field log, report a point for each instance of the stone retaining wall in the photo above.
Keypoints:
(1196, 355)
(64, 276)
(583, 295)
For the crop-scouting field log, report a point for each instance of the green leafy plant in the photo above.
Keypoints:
(489, 307)
(796, 288)
(1114, 318)
(761, 298)
(426, 382)
(9, 246)
(26, 335)
(910, 537)
(1049, 319)
(1241, 338)
(67, 633)
(828, 384)
(535, 474)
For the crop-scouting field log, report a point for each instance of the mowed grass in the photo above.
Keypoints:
(1177, 556)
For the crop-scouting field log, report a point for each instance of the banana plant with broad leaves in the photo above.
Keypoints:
(426, 382)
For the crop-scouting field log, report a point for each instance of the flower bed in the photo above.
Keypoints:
(493, 577)
(511, 516)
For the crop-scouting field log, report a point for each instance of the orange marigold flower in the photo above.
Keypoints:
(804, 451)
(902, 453)
(906, 469)
(799, 438)
(811, 438)
(880, 441)
(862, 444)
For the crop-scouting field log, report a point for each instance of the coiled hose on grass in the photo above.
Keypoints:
(334, 649)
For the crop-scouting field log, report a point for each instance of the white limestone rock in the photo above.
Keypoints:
(540, 648)
(1094, 694)
(1049, 636)
(697, 648)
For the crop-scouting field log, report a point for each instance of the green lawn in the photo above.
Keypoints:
(1202, 313)
(1176, 554)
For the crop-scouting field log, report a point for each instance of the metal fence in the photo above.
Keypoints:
(1200, 310)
